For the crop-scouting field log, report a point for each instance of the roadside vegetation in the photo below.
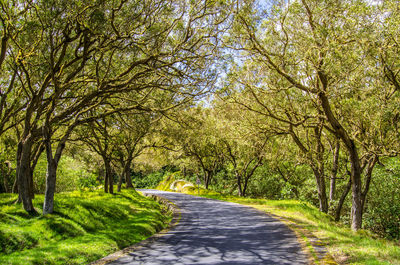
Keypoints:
(344, 245)
(84, 227)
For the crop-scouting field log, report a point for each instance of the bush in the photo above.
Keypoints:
(71, 175)
(382, 212)
(147, 181)
(87, 180)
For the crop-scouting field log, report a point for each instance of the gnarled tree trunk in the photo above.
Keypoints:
(51, 176)
(341, 201)
(335, 167)
(108, 178)
(356, 171)
(23, 173)
(239, 184)
(128, 179)
(126, 172)
(321, 189)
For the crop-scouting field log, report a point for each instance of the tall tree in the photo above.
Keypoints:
(316, 49)
(71, 55)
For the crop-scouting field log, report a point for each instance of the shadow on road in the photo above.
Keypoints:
(215, 232)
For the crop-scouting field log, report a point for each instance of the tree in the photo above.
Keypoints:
(245, 145)
(134, 137)
(70, 56)
(313, 48)
(100, 136)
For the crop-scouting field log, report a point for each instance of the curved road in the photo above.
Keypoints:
(216, 232)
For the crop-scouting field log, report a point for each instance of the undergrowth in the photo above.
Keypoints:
(84, 227)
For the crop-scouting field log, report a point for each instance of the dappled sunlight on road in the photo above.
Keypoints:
(215, 232)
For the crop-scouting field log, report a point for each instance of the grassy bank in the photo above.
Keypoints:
(85, 227)
(346, 246)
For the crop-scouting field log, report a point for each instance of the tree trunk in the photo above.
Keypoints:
(355, 173)
(316, 164)
(51, 175)
(335, 167)
(23, 170)
(109, 177)
(111, 184)
(15, 185)
(356, 208)
(246, 181)
(120, 177)
(52, 164)
(341, 201)
(37, 151)
(319, 172)
(368, 174)
(321, 189)
(207, 177)
(31, 185)
(239, 185)
(105, 183)
(127, 172)
(5, 173)
(128, 179)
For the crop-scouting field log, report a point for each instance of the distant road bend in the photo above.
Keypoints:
(216, 232)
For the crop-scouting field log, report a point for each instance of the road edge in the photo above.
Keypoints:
(176, 217)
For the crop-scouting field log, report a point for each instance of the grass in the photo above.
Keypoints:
(344, 245)
(85, 226)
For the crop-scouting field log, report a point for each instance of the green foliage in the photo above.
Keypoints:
(85, 227)
(71, 175)
(149, 181)
(87, 180)
(223, 181)
(382, 214)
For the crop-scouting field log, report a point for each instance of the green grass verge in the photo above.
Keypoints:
(346, 246)
(85, 226)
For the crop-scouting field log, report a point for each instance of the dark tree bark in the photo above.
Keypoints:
(370, 167)
(6, 172)
(128, 179)
(249, 173)
(37, 150)
(341, 201)
(126, 171)
(52, 164)
(105, 182)
(207, 177)
(321, 189)
(51, 177)
(355, 171)
(316, 162)
(335, 167)
(23, 173)
(109, 177)
(239, 184)
(207, 170)
(319, 172)
(15, 185)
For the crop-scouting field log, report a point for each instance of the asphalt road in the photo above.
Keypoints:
(216, 232)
